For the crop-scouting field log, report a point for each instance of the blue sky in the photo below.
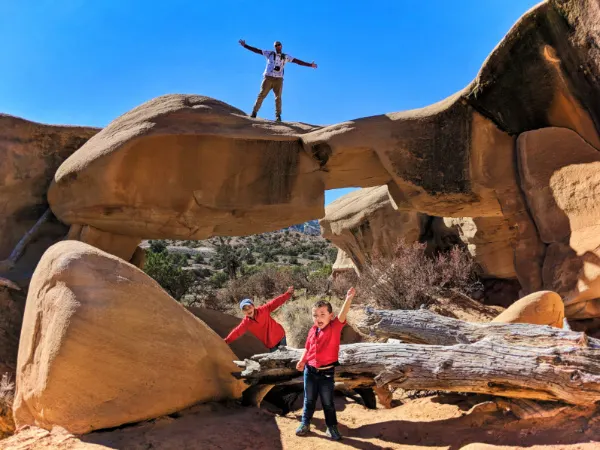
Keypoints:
(85, 62)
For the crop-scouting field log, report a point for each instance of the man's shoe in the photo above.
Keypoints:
(302, 430)
(333, 433)
(278, 118)
(253, 115)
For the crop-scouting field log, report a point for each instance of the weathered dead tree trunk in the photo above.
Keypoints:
(425, 327)
(509, 360)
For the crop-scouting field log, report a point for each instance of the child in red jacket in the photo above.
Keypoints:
(318, 363)
(259, 322)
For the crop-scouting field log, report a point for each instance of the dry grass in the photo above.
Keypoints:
(296, 317)
(7, 395)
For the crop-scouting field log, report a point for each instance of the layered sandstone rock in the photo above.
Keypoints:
(116, 244)
(539, 308)
(364, 224)
(342, 264)
(559, 175)
(12, 305)
(102, 345)
(203, 168)
(30, 153)
(490, 240)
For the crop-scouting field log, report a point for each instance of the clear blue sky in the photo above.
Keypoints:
(85, 62)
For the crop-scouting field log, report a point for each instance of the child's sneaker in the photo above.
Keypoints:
(302, 430)
(333, 433)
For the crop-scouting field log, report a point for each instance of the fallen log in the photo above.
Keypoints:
(508, 360)
(425, 327)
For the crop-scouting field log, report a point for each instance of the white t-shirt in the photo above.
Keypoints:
(275, 59)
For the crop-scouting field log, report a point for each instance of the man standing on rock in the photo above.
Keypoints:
(273, 75)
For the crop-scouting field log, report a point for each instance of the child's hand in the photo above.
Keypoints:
(300, 366)
(351, 293)
(290, 290)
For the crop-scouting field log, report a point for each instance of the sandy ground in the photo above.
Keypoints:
(438, 422)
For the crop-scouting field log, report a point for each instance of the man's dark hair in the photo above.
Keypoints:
(322, 303)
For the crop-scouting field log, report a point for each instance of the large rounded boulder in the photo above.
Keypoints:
(103, 344)
(539, 308)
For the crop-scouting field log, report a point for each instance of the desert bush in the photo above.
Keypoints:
(342, 282)
(7, 395)
(218, 279)
(410, 278)
(296, 318)
(168, 271)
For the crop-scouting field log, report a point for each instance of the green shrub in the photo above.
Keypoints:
(167, 270)
(158, 246)
(218, 279)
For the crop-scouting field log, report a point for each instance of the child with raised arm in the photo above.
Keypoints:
(318, 363)
(259, 322)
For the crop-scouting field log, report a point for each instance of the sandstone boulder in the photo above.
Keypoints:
(342, 264)
(561, 179)
(202, 168)
(491, 241)
(116, 244)
(363, 224)
(559, 175)
(539, 308)
(102, 345)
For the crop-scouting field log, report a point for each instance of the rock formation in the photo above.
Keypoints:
(539, 308)
(103, 344)
(31, 153)
(365, 223)
(515, 151)
(203, 168)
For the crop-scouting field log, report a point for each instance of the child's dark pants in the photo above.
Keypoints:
(319, 383)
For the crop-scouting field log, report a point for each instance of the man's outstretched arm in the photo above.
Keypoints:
(305, 64)
(249, 47)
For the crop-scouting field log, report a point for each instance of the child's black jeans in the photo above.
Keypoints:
(319, 383)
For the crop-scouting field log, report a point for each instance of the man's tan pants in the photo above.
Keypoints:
(270, 83)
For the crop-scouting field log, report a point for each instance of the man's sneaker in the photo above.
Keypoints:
(253, 115)
(278, 118)
(333, 433)
(302, 430)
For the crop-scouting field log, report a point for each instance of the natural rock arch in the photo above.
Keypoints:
(190, 167)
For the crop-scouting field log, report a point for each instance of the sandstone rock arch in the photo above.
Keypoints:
(190, 167)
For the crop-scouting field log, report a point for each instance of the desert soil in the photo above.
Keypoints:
(435, 422)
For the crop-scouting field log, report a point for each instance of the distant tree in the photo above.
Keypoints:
(227, 258)
(167, 270)
(158, 246)
(331, 254)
